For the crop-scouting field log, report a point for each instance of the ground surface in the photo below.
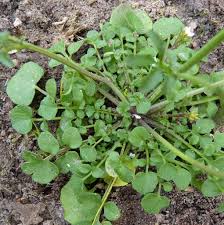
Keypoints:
(23, 202)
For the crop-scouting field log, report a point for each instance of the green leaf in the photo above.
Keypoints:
(107, 31)
(156, 159)
(111, 211)
(66, 162)
(194, 139)
(153, 203)
(156, 42)
(21, 119)
(88, 61)
(167, 186)
(143, 107)
(66, 119)
(146, 22)
(51, 87)
(106, 223)
(48, 143)
(21, 87)
(81, 168)
(219, 163)
(145, 182)
(116, 168)
(79, 206)
(123, 107)
(138, 136)
(166, 27)
(88, 153)
(58, 47)
(167, 171)
(71, 137)
(53, 63)
(98, 173)
(219, 139)
(139, 60)
(42, 171)
(204, 126)
(92, 36)
(30, 156)
(135, 20)
(182, 178)
(209, 150)
(210, 189)
(205, 141)
(44, 126)
(100, 43)
(150, 82)
(124, 173)
(90, 88)
(5, 59)
(111, 163)
(100, 129)
(212, 109)
(48, 108)
(75, 46)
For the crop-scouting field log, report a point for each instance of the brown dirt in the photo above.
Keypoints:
(23, 202)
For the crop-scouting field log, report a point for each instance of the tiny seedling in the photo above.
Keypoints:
(133, 109)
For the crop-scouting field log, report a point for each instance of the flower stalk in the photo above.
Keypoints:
(203, 52)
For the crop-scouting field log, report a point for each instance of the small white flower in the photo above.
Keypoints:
(68, 165)
(137, 116)
(189, 31)
(132, 155)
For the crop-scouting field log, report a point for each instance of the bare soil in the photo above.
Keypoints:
(23, 202)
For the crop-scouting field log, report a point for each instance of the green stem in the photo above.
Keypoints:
(161, 154)
(37, 129)
(104, 199)
(97, 166)
(177, 137)
(204, 51)
(180, 154)
(41, 90)
(42, 119)
(126, 74)
(107, 112)
(61, 152)
(127, 149)
(182, 76)
(49, 157)
(156, 94)
(89, 126)
(147, 160)
(159, 189)
(135, 46)
(108, 96)
(97, 142)
(99, 57)
(203, 100)
(177, 163)
(123, 148)
(25, 45)
(162, 104)
(166, 49)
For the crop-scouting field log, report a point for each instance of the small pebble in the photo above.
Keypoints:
(17, 22)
